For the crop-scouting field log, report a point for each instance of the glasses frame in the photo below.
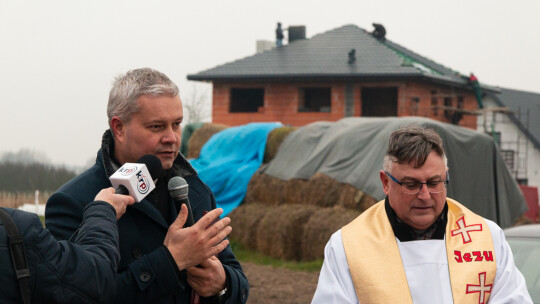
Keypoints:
(445, 182)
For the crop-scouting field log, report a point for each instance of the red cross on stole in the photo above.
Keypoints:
(464, 229)
(481, 288)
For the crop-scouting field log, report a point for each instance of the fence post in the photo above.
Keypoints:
(37, 201)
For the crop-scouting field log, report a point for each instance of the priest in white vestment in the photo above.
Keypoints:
(417, 245)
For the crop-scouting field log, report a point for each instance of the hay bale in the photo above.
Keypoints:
(320, 226)
(201, 136)
(350, 197)
(187, 131)
(354, 199)
(273, 142)
(244, 221)
(366, 202)
(265, 189)
(322, 190)
(280, 231)
(294, 191)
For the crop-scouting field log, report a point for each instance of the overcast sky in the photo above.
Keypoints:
(58, 58)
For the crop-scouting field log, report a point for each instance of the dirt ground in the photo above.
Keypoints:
(270, 285)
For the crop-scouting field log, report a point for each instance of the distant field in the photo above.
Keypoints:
(17, 199)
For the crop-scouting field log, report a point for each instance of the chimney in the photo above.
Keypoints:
(297, 32)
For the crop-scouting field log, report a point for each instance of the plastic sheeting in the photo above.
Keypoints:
(229, 159)
(352, 150)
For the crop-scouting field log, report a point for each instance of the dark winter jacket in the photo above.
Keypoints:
(82, 271)
(146, 273)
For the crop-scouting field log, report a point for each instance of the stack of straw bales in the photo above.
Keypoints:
(288, 219)
(320, 190)
(294, 219)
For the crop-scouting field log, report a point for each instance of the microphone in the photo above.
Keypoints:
(137, 179)
(178, 189)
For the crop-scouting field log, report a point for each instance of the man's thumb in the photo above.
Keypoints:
(181, 218)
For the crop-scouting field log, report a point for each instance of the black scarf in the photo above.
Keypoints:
(406, 233)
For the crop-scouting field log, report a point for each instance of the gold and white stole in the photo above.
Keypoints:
(377, 270)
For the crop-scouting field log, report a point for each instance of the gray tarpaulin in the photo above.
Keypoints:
(351, 151)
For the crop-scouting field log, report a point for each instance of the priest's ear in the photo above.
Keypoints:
(384, 181)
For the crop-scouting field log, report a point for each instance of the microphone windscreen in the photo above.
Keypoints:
(153, 164)
(178, 187)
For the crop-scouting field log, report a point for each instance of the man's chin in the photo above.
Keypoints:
(423, 223)
(166, 159)
(166, 163)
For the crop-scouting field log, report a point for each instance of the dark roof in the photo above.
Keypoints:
(525, 107)
(326, 56)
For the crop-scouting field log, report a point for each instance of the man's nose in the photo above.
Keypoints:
(424, 192)
(169, 136)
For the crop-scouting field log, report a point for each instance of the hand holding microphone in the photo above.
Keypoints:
(137, 179)
(119, 202)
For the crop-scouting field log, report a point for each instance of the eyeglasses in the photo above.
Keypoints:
(415, 187)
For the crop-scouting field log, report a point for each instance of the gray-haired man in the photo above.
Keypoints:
(158, 256)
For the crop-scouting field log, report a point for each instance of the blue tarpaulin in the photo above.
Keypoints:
(229, 159)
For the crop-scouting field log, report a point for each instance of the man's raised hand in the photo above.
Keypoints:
(192, 245)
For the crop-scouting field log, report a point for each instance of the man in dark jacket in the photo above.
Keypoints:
(161, 262)
(82, 271)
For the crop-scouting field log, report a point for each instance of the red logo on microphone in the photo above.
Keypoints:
(128, 170)
(142, 183)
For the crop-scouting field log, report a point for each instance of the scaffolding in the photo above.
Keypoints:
(510, 136)
(508, 128)
(446, 106)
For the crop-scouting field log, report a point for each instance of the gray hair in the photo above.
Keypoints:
(130, 86)
(412, 145)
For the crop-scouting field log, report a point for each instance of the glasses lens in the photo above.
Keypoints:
(415, 187)
(436, 187)
(409, 191)
(410, 187)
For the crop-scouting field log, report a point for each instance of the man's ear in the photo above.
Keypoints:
(117, 127)
(384, 181)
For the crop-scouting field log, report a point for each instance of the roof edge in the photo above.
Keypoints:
(308, 77)
(517, 122)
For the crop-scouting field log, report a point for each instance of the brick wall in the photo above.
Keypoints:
(281, 102)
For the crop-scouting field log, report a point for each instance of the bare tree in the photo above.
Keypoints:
(197, 107)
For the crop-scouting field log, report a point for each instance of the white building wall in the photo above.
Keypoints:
(527, 157)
